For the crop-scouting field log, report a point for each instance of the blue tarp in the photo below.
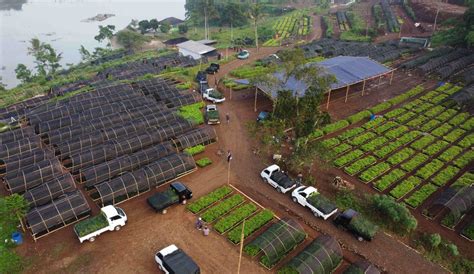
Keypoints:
(348, 70)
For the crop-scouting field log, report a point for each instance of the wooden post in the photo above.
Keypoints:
(228, 173)
(347, 93)
(391, 77)
(255, 104)
(230, 92)
(241, 246)
(380, 80)
(329, 97)
(363, 88)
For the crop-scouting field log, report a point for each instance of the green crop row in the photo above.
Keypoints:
(209, 199)
(192, 113)
(387, 180)
(445, 175)
(388, 125)
(350, 133)
(454, 135)
(235, 217)
(458, 119)
(335, 126)
(394, 113)
(417, 121)
(429, 169)
(396, 132)
(380, 107)
(430, 95)
(315, 134)
(467, 141)
(413, 104)
(203, 162)
(374, 172)
(428, 126)
(347, 158)
(251, 225)
(446, 115)
(222, 208)
(387, 149)
(444, 87)
(414, 162)
(423, 142)
(360, 139)
(341, 148)
(194, 150)
(468, 125)
(405, 96)
(442, 130)
(420, 195)
(452, 90)
(409, 137)
(359, 116)
(466, 179)
(465, 159)
(374, 144)
(405, 117)
(433, 111)
(435, 148)
(438, 99)
(374, 123)
(400, 156)
(422, 108)
(329, 143)
(450, 153)
(359, 165)
(406, 186)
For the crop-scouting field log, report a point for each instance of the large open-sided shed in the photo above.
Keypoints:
(348, 71)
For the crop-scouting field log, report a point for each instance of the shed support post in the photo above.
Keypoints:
(363, 88)
(391, 78)
(255, 103)
(380, 80)
(347, 93)
(329, 97)
(230, 92)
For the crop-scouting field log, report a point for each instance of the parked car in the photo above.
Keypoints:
(172, 259)
(201, 77)
(244, 54)
(212, 115)
(309, 197)
(262, 116)
(277, 178)
(110, 218)
(213, 95)
(357, 224)
(213, 68)
(175, 194)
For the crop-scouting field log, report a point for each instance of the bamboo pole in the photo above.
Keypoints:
(391, 77)
(347, 93)
(329, 97)
(380, 80)
(231, 92)
(241, 246)
(255, 104)
(228, 172)
(363, 88)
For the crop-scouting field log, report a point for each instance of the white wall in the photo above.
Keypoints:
(194, 55)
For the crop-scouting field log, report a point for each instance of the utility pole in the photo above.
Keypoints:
(241, 246)
(436, 18)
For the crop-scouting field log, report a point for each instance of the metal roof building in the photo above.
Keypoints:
(196, 50)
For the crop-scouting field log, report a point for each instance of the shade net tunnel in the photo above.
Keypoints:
(113, 143)
(457, 201)
(322, 256)
(279, 239)
(144, 179)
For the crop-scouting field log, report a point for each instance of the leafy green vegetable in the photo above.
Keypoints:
(90, 225)
(359, 165)
(419, 196)
(235, 217)
(204, 162)
(192, 113)
(335, 126)
(223, 207)
(406, 186)
(209, 199)
(251, 225)
(347, 158)
(194, 150)
(374, 172)
(445, 175)
(387, 180)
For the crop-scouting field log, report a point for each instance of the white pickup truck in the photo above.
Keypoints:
(309, 197)
(110, 218)
(213, 95)
(277, 178)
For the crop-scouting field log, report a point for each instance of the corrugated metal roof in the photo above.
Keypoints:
(196, 47)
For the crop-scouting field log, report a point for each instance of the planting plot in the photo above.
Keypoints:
(406, 186)
(420, 195)
(445, 175)
(389, 179)
(360, 165)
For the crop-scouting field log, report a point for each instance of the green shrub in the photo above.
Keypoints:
(450, 153)
(406, 186)
(359, 165)
(464, 159)
(235, 217)
(222, 208)
(204, 162)
(347, 158)
(192, 113)
(363, 226)
(429, 169)
(380, 107)
(209, 199)
(420, 195)
(387, 180)
(350, 133)
(445, 175)
(359, 116)
(400, 156)
(335, 126)
(251, 225)
(194, 150)
(374, 172)
(414, 162)
(398, 216)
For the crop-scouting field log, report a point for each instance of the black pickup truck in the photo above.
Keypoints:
(355, 223)
(177, 193)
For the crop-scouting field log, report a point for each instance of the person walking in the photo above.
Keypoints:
(199, 223)
(206, 231)
(227, 117)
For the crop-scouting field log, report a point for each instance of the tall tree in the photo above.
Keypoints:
(255, 13)
(85, 54)
(154, 24)
(23, 73)
(232, 14)
(106, 32)
(46, 58)
(196, 9)
(144, 26)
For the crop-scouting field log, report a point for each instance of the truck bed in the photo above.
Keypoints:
(282, 179)
(321, 203)
(161, 200)
(90, 225)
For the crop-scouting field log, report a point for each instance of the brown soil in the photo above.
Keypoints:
(426, 10)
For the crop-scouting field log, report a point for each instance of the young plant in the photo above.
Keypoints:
(347, 158)
(420, 195)
(387, 180)
(445, 175)
(209, 199)
(359, 165)
(235, 217)
(406, 186)
(374, 172)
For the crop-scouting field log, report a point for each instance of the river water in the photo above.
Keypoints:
(58, 22)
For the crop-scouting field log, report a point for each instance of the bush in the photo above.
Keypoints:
(204, 162)
(235, 217)
(359, 116)
(251, 225)
(209, 199)
(398, 216)
(335, 126)
(363, 226)
(380, 107)
(194, 150)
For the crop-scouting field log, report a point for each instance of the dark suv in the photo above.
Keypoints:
(201, 77)
(213, 68)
